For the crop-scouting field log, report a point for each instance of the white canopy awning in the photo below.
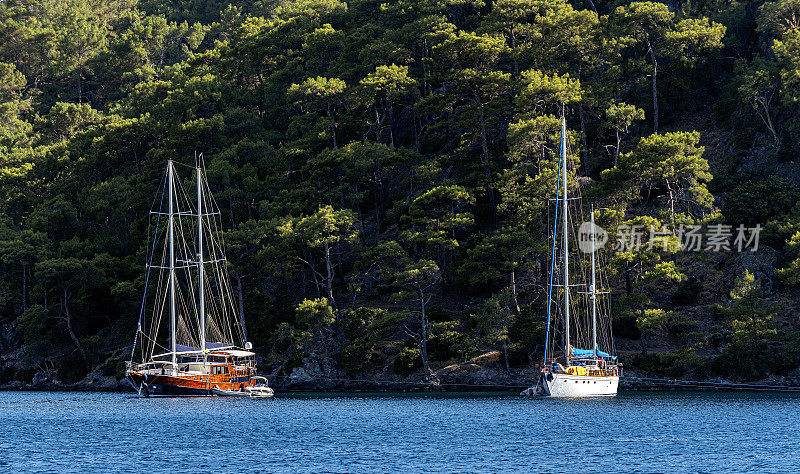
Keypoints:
(236, 353)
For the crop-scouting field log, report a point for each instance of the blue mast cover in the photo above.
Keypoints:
(584, 353)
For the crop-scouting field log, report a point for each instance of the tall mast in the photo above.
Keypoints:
(171, 264)
(593, 290)
(200, 266)
(566, 234)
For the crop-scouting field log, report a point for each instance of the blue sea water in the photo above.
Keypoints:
(634, 432)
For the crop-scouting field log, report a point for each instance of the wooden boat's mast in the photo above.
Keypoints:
(566, 238)
(172, 264)
(593, 289)
(200, 266)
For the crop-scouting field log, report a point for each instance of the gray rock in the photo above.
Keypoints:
(45, 379)
(761, 264)
(299, 374)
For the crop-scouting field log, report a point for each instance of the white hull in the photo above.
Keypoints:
(565, 385)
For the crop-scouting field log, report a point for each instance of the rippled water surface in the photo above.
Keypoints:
(646, 432)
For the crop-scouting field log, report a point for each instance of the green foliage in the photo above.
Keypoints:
(357, 355)
(417, 277)
(528, 335)
(779, 16)
(314, 314)
(791, 273)
(376, 161)
(65, 119)
(540, 91)
(745, 287)
(620, 117)
(676, 364)
(758, 202)
(35, 330)
(653, 320)
(750, 331)
(324, 228)
(437, 217)
(407, 361)
(449, 342)
(14, 130)
(317, 88)
(671, 159)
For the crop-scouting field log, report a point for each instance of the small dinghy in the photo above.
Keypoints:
(257, 388)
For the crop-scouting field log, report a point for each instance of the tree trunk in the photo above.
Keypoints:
(378, 197)
(68, 320)
(768, 121)
(643, 333)
(514, 291)
(616, 150)
(377, 125)
(505, 354)
(329, 277)
(423, 340)
(655, 88)
(390, 112)
(425, 85)
(628, 283)
(671, 203)
(333, 126)
(485, 159)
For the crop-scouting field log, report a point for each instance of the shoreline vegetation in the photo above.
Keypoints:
(465, 377)
(385, 173)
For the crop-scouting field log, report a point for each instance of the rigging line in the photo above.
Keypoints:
(183, 164)
(161, 295)
(219, 303)
(229, 305)
(147, 276)
(223, 304)
(155, 343)
(552, 265)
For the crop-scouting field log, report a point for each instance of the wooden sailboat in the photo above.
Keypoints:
(190, 338)
(579, 358)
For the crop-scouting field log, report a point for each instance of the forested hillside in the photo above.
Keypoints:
(386, 169)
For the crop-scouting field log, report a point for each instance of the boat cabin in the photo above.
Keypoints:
(222, 363)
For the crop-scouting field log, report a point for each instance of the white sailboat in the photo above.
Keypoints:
(190, 338)
(578, 366)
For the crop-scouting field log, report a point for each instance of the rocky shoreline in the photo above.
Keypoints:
(319, 373)
(313, 378)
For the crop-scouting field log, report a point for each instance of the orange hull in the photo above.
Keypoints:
(158, 384)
